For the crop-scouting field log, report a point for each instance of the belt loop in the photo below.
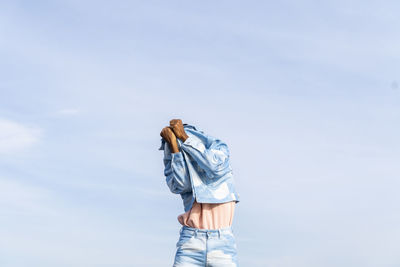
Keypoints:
(180, 230)
(195, 232)
(219, 233)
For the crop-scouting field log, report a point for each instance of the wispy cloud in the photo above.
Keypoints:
(17, 137)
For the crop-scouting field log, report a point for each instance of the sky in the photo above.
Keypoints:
(306, 94)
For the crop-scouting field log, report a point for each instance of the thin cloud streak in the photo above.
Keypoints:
(16, 137)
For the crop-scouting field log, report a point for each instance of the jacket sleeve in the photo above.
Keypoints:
(214, 159)
(176, 173)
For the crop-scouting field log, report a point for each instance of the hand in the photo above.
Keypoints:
(177, 127)
(170, 137)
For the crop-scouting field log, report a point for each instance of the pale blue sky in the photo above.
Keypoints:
(305, 93)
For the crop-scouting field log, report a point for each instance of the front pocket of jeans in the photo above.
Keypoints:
(229, 239)
(183, 239)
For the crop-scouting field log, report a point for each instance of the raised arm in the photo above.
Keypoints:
(175, 171)
(212, 155)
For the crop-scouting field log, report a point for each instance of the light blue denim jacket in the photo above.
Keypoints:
(201, 170)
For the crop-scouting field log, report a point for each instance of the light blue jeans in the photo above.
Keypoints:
(206, 248)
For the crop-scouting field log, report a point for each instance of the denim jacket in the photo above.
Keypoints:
(201, 170)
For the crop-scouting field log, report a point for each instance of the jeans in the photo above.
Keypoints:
(206, 248)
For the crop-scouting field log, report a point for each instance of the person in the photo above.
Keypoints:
(197, 167)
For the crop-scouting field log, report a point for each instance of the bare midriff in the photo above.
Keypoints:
(209, 215)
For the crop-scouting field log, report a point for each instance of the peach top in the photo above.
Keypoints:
(208, 215)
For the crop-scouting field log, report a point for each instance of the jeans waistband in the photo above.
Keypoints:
(228, 229)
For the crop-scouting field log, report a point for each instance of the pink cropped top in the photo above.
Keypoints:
(208, 215)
